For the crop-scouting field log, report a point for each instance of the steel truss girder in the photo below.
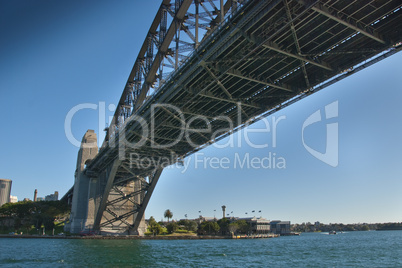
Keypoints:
(148, 63)
(179, 16)
(296, 41)
(146, 191)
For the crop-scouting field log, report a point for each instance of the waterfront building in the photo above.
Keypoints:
(258, 225)
(5, 191)
(280, 227)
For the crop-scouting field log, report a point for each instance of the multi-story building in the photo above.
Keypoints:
(52, 197)
(5, 191)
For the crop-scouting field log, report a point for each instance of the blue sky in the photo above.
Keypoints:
(59, 54)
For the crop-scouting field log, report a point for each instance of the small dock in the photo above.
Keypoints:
(255, 236)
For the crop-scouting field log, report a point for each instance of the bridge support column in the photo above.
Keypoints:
(94, 197)
(79, 208)
(139, 216)
(106, 183)
(141, 229)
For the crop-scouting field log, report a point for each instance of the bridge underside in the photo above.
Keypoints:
(261, 58)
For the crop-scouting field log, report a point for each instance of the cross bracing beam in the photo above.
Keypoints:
(124, 197)
(296, 42)
(348, 21)
(275, 47)
(211, 96)
(116, 218)
(238, 74)
(216, 80)
(125, 179)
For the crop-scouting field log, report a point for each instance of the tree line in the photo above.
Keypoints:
(25, 216)
(320, 227)
(221, 227)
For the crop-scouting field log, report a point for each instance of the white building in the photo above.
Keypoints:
(13, 199)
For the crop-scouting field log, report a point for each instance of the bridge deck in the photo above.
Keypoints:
(260, 58)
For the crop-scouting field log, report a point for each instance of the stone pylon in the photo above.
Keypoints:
(79, 208)
(100, 205)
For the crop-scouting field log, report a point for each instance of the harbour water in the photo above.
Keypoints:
(352, 249)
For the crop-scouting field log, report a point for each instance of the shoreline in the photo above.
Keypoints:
(130, 237)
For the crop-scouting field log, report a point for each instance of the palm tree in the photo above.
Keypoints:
(168, 214)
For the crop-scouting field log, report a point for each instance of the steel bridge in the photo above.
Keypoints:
(209, 68)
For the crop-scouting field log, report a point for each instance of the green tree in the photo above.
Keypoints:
(27, 213)
(48, 222)
(224, 225)
(233, 227)
(153, 226)
(192, 226)
(189, 225)
(365, 228)
(27, 225)
(172, 227)
(210, 227)
(244, 227)
(168, 214)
